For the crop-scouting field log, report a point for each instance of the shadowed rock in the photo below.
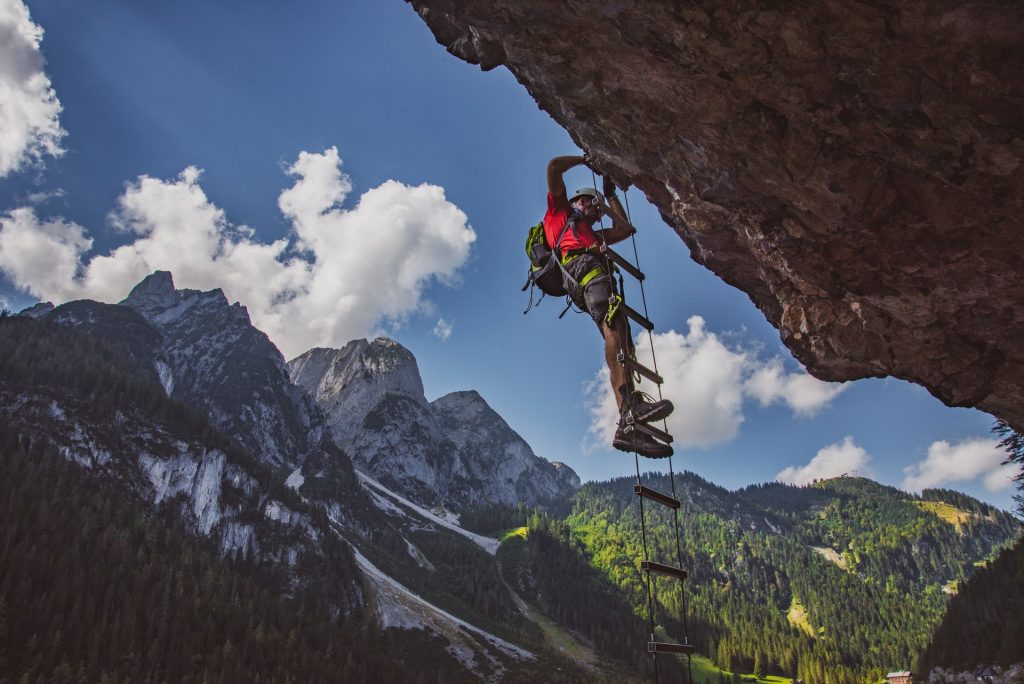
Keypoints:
(854, 167)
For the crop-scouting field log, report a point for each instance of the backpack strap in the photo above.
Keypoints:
(571, 223)
(557, 254)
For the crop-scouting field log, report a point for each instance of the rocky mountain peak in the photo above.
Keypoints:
(158, 287)
(466, 407)
(161, 302)
(352, 380)
(37, 310)
(384, 356)
(455, 451)
(213, 358)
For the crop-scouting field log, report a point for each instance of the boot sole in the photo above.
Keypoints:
(655, 415)
(628, 448)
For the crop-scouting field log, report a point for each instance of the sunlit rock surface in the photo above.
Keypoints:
(854, 167)
(454, 452)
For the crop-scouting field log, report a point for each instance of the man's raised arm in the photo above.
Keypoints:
(556, 168)
(621, 228)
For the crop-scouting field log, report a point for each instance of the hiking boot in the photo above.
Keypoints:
(645, 409)
(642, 443)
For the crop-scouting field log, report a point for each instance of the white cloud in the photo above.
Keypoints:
(972, 458)
(830, 461)
(37, 198)
(349, 269)
(443, 329)
(29, 108)
(41, 257)
(804, 394)
(707, 381)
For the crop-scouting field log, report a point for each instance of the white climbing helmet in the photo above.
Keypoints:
(586, 192)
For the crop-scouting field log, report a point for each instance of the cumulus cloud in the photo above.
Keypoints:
(970, 459)
(346, 271)
(708, 382)
(442, 329)
(830, 461)
(29, 108)
(804, 394)
(41, 257)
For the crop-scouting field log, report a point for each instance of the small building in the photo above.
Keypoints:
(901, 677)
(985, 673)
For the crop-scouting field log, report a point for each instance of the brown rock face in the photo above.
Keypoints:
(855, 167)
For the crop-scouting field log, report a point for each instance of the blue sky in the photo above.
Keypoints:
(334, 169)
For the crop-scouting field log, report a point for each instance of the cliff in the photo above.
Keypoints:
(854, 167)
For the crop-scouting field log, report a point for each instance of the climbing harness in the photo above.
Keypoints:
(617, 264)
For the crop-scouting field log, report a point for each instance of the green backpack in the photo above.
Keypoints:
(546, 269)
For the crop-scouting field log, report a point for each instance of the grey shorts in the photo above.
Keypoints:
(594, 297)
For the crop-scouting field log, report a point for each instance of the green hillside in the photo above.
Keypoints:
(754, 555)
(984, 624)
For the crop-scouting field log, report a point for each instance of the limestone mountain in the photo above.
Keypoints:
(84, 384)
(213, 358)
(182, 412)
(454, 452)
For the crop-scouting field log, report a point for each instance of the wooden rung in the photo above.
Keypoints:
(663, 647)
(655, 495)
(635, 366)
(647, 430)
(621, 262)
(661, 569)
(636, 316)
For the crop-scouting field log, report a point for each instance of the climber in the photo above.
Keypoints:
(589, 284)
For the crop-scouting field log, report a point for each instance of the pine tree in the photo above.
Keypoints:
(1013, 444)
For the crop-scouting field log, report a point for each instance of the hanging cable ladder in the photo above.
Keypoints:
(633, 424)
(621, 262)
(656, 496)
(640, 369)
(643, 493)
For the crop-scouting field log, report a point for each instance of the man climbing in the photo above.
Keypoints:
(568, 228)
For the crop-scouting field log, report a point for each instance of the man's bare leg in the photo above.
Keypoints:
(616, 338)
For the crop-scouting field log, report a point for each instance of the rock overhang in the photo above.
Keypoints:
(855, 169)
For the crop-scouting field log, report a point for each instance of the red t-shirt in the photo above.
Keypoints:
(555, 220)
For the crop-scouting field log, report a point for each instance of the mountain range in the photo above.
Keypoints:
(331, 483)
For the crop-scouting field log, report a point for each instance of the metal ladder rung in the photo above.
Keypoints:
(632, 424)
(662, 569)
(621, 262)
(636, 316)
(655, 495)
(663, 647)
(637, 367)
